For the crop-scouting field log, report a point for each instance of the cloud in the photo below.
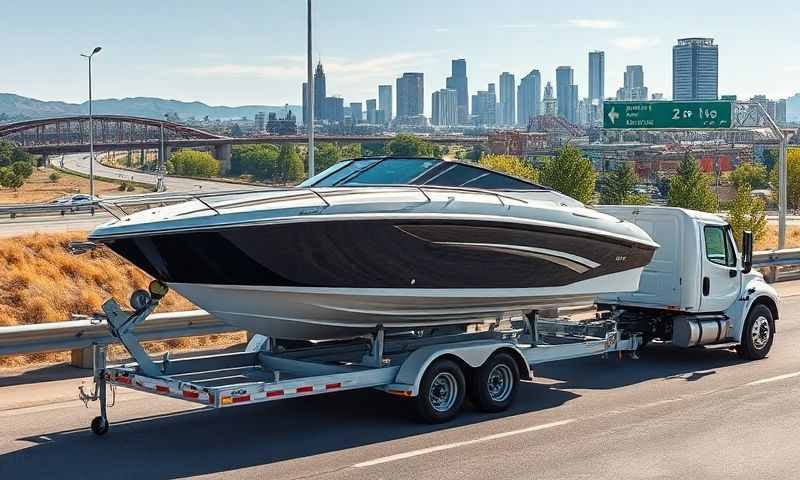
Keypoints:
(294, 66)
(635, 43)
(441, 29)
(594, 24)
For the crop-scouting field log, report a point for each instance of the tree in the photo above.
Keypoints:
(290, 167)
(325, 155)
(10, 153)
(511, 165)
(691, 188)
(569, 173)
(751, 174)
(260, 160)
(616, 187)
(9, 179)
(193, 164)
(747, 213)
(792, 177)
(22, 168)
(353, 150)
(407, 145)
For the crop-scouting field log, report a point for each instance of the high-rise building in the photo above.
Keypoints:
(549, 101)
(633, 84)
(385, 102)
(444, 107)
(597, 76)
(793, 108)
(484, 107)
(371, 109)
(305, 103)
(695, 69)
(334, 109)
(410, 93)
(780, 111)
(356, 112)
(319, 94)
(260, 121)
(566, 96)
(506, 112)
(529, 97)
(458, 82)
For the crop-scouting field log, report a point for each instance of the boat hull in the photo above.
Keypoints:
(325, 313)
(313, 278)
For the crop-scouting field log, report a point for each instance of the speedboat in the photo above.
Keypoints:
(341, 259)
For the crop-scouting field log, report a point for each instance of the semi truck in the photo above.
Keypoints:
(698, 291)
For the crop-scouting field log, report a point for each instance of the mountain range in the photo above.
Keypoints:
(19, 107)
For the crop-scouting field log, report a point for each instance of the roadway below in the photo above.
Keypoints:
(80, 163)
(670, 414)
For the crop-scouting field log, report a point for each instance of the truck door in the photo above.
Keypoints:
(721, 276)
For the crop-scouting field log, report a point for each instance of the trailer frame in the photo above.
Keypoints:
(395, 362)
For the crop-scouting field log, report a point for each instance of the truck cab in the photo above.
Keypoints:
(698, 289)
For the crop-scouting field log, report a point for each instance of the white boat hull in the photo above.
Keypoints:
(325, 313)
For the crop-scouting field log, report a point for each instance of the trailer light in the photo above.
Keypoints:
(402, 393)
(227, 400)
(305, 389)
(332, 386)
(274, 393)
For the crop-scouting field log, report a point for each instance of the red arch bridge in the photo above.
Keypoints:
(62, 135)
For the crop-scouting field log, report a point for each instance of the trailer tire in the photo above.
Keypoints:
(99, 426)
(757, 334)
(495, 383)
(441, 392)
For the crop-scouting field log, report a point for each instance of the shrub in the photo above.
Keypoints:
(193, 164)
(54, 177)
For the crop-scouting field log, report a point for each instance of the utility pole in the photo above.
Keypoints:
(310, 101)
(91, 122)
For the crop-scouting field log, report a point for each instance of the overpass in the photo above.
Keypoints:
(62, 135)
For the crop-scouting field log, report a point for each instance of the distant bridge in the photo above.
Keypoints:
(61, 135)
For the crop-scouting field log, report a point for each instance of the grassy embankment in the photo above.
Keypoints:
(40, 281)
(39, 188)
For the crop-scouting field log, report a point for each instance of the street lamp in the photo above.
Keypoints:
(91, 123)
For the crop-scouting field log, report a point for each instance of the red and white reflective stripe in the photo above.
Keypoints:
(274, 393)
(333, 386)
(162, 389)
(190, 394)
(240, 399)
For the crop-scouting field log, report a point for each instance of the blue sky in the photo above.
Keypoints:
(253, 52)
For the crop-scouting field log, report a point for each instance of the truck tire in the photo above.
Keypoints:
(441, 392)
(494, 384)
(757, 334)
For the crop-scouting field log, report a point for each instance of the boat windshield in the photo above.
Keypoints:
(392, 171)
(338, 172)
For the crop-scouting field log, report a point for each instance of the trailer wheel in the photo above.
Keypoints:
(99, 426)
(441, 392)
(494, 384)
(758, 334)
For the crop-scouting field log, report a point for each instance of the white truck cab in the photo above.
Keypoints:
(698, 289)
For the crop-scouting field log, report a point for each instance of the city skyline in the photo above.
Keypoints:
(234, 59)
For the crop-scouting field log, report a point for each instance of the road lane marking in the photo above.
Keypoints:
(774, 379)
(448, 446)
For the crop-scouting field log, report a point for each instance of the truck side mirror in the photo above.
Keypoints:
(747, 251)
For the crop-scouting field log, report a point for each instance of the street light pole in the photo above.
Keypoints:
(91, 122)
(310, 101)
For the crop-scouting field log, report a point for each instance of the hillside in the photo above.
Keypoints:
(16, 106)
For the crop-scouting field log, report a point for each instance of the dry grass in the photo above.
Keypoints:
(39, 188)
(40, 281)
(770, 240)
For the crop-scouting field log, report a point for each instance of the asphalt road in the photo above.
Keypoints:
(80, 163)
(670, 414)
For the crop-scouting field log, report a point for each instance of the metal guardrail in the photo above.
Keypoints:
(33, 209)
(774, 259)
(80, 334)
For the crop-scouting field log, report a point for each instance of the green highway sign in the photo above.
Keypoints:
(660, 114)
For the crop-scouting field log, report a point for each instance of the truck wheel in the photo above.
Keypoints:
(758, 333)
(494, 384)
(441, 392)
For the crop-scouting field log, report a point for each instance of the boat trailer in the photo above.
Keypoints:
(427, 365)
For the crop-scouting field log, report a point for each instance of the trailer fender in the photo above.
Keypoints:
(755, 292)
(472, 354)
